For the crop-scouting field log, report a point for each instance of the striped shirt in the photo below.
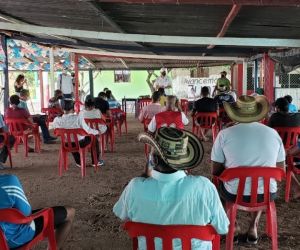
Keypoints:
(12, 196)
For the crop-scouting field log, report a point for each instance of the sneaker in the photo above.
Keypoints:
(99, 164)
(78, 165)
(51, 138)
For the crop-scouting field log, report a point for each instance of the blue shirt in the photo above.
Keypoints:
(113, 104)
(292, 108)
(12, 196)
(23, 105)
(2, 124)
(176, 198)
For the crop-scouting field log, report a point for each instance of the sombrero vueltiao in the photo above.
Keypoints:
(179, 149)
(247, 109)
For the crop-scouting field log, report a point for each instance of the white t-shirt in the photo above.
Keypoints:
(163, 82)
(152, 124)
(65, 84)
(248, 144)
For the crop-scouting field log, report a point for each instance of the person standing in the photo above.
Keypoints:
(65, 84)
(163, 81)
(19, 83)
(223, 81)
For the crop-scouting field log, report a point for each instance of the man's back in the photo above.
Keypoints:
(102, 105)
(16, 113)
(150, 110)
(248, 144)
(167, 199)
(280, 119)
(205, 104)
(224, 97)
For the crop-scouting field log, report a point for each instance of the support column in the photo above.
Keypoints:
(91, 83)
(268, 68)
(240, 79)
(255, 75)
(5, 72)
(52, 83)
(41, 89)
(77, 101)
(46, 85)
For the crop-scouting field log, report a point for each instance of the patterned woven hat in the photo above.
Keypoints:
(179, 149)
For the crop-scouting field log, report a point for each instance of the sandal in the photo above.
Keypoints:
(252, 240)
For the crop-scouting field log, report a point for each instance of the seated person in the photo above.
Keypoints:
(152, 109)
(282, 117)
(170, 196)
(89, 111)
(223, 96)
(113, 103)
(4, 150)
(102, 104)
(169, 118)
(295, 184)
(249, 143)
(70, 120)
(15, 112)
(13, 196)
(204, 104)
(54, 102)
(292, 107)
(163, 97)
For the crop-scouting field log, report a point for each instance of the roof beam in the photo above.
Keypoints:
(232, 14)
(294, 3)
(225, 41)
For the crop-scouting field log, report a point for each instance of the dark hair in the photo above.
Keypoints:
(161, 91)
(282, 104)
(24, 92)
(105, 89)
(101, 94)
(14, 100)
(108, 94)
(289, 98)
(89, 103)
(155, 96)
(68, 105)
(161, 166)
(19, 78)
(57, 92)
(205, 91)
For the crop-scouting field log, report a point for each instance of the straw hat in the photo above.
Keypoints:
(247, 109)
(179, 149)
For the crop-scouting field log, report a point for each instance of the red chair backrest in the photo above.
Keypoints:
(242, 173)
(69, 138)
(223, 115)
(52, 113)
(12, 215)
(206, 119)
(289, 135)
(169, 232)
(95, 123)
(169, 119)
(144, 102)
(17, 126)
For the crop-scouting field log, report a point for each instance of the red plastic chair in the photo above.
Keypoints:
(255, 173)
(143, 103)
(4, 143)
(116, 112)
(69, 144)
(51, 113)
(12, 215)
(289, 136)
(21, 129)
(208, 120)
(223, 118)
(184, 103)
(169, 232)
(95, 124)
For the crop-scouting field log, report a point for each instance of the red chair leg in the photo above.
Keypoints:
(273, 224)
(216, 243)
(231, 213)
(288, 185)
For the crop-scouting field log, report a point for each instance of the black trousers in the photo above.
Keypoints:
(41, 121)
(4, 150)
(82, 143)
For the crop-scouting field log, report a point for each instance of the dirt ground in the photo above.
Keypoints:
(93, 197)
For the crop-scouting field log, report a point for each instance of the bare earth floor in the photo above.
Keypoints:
(93, 197)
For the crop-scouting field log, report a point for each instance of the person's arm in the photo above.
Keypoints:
(184, 119)
(281, 165)
(217, 156)
(217, 168)
(141, 115)
(86, 128)
(152, 125)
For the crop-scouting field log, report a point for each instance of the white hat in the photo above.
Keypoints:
(163, 70)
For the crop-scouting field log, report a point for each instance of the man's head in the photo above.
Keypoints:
(163, 72)
(205, 91)
(14, 100)
(155, 96)
(161, 91)
(89, 104)
(24, 94)
(171, 103)
(223, 74)
(105, 89)
(108, 94)
(289, 98)
(58, 94)
(282, 105)
(69, 106)
(102, 95)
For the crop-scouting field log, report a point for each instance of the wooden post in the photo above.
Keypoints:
(268, 68)
(91, 83)
(52, 83)
(41, 89)
(77, 101)
(5, 72)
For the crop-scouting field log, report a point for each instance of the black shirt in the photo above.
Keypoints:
(101, 104)
(205, 104)
(284, 120)
(224, 98)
